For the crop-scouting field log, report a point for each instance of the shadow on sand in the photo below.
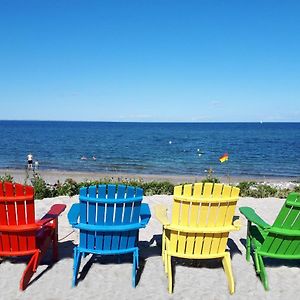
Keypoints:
(148, 249)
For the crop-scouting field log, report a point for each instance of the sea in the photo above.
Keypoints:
(254, 149)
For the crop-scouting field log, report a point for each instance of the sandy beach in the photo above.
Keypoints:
(51, 177)
(105, 278)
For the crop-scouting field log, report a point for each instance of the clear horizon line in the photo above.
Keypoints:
(111, 121)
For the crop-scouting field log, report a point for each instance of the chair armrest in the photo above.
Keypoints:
(251, 216)
(161, 214)
(73, 214)
(52, 214)
(145, 214)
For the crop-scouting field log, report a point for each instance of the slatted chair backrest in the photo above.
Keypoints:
(208, 208)
(284, 236)
(17, 219)
(105, 211)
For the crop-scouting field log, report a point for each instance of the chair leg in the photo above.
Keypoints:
(166, 262)
(256, 263)
(226, 261)
(263, 274)
(137, 258)
(29, 271)
(55, 241)
(248, 248)
(77, 260)
(248, 241)
(170, 279)
(135, 265)
(163, 245)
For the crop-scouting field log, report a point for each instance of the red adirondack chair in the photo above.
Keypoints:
(20, 233)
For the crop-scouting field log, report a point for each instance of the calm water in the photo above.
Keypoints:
(268, 149)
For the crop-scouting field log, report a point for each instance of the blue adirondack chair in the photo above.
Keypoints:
(109, 218)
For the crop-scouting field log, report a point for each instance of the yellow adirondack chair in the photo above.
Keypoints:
(201, 221)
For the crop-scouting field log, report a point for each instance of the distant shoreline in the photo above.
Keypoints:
(51, 176)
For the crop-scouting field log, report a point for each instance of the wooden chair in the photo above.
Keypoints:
(280, 240)
(20, 233)
(109, 218)
(201, 221)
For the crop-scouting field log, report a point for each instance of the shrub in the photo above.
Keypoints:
(246, 188)
(6, 177)
(210, 179)
(157, 188)
(297, 188)
(282, 193)
(150, 188)
(257, 190)
(70, 187)
(41, 189)
(264, 191)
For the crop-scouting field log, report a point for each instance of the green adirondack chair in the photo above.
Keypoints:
(280, 240)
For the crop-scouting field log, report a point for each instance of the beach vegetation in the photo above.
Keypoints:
(210, 179)
(261, 190)
(282, 193)
(158, 188)
(6, 177)
(68, 188)
(41, 188)
(71, 187)
(297, 189)
(253, 189)
(150, 187)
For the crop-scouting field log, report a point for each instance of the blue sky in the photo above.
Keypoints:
(144, 60)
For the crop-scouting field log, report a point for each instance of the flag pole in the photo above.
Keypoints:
(224, 158)
(228, 174)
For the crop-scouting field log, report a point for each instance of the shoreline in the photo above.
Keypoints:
(52, 176)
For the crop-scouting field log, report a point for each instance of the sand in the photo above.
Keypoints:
(51, 176)
(108, 279)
